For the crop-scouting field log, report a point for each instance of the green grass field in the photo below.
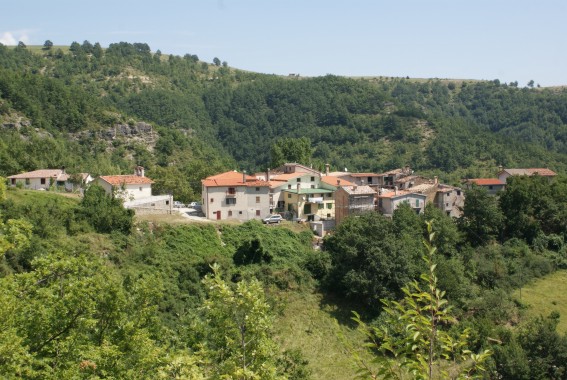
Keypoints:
(309, 323)
(546, 295)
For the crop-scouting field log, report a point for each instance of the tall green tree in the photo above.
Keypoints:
(411, 341)
(238, 343)
(482, 218)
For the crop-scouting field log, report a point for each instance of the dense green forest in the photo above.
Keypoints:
(89, 291)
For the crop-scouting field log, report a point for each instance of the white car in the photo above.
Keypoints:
(276, 218)
(178, 204)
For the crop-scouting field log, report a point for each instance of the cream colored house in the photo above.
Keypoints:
(128, 187)
(234, 195)
(45, 178)
(389, 201)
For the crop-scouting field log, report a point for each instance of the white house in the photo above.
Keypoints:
(234, 195)
(45, 178)
(128, 187)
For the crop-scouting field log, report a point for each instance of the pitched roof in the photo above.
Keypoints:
(358, 190)
(335, 181)
(43, 173)
(400, 193)
(131, 179)
(364, 175)
(486, 181)
(544, 172)
(233, 178)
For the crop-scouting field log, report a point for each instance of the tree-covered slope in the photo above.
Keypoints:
(81, 108)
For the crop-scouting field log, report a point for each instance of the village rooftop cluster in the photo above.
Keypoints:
(294, 191)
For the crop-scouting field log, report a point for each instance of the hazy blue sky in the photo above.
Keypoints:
(510, 40)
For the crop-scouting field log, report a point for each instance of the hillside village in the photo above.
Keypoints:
(296, 192)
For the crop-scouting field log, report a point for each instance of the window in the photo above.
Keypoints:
(320, 206)
(257, 212)
(257, 189)
(231, 191)
(312, 179)
(153, 204)
(229, 213)
(329, 206)
(27, 181)
(167, 203)
(239, 212)
(298, 180)
(212, 200)
(329, 195)
(13, 181)
(257, 199)
(489, 187)
(312, 186)
(42, 181)
(140, 188)
(369, 180)
(230, 201)
(289, 186)
(328, 215)
(289, 195)
(417, 203)
(458, 192)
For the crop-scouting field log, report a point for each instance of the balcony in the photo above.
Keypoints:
(231, 194)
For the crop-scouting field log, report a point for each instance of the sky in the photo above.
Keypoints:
(509, 40)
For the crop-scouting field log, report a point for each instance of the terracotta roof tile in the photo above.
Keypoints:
(334, 181)
(486, 181)
(118, 180)
(232, 178)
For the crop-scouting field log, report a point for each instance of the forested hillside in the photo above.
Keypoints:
(80, 108)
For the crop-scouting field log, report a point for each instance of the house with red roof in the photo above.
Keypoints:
(234, 195)
(128, 187)
(492, 185)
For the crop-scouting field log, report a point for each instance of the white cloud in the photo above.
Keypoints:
(13, 37)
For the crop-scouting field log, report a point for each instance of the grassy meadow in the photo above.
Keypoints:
(546, 295)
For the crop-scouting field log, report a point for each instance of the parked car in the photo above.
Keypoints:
(194, 204)
(178, 204)
(276, 218)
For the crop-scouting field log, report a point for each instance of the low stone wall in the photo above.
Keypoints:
(151, 211)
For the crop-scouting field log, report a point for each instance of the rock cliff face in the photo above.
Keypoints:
(140, 132)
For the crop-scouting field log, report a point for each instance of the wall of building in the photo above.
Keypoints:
(242, 205)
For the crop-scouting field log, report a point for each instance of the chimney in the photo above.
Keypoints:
(298, 187)
(436, 180)
(62, 169)
(139, 171)
(244, 176)
(395, 190)
(338, 182)
(500, 168)
(268, 174)
(327, 167)
(354, 188)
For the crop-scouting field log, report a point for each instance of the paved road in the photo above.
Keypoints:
(191, 213)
